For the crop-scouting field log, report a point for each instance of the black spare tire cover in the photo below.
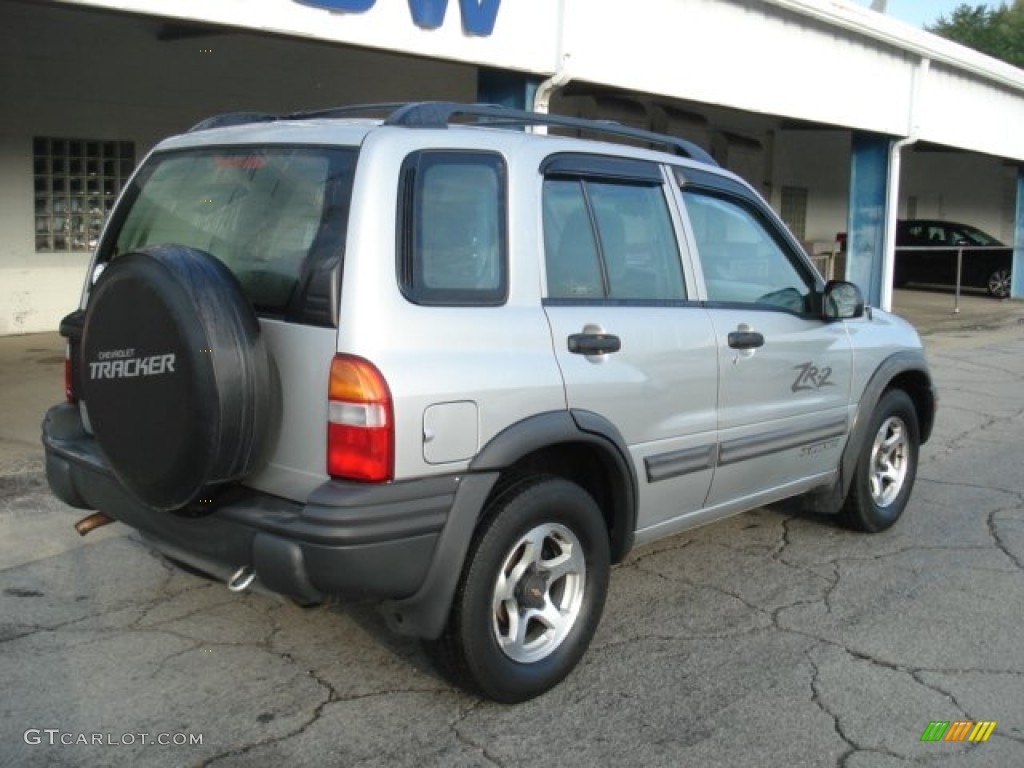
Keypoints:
(176, 377)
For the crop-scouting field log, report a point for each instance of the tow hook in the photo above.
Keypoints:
(241, 579)
(93, 521)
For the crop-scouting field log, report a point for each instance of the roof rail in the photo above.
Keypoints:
(232, 118)
(244, 118)
(439, 114)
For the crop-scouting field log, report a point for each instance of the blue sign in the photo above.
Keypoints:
(478, 16)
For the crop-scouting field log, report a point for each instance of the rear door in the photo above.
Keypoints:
(784, 384)
(632, 343)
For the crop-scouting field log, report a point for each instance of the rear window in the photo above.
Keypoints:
(451, 229)
(275, 216)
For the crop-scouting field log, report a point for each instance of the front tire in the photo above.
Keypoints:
(531, 592)
(885, 472)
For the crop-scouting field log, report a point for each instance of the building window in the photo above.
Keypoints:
(794, 210)
(76, 183)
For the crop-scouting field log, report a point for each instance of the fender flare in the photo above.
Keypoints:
(424, 613)
(574, 426)
(829, 500)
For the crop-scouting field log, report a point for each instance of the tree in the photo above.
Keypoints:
(997, 31)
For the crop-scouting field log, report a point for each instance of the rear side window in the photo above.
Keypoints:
(609, 240)
(451, 228)
(274, 216)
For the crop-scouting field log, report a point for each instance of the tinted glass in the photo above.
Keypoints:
(742, 259)
(452, 247)
(609, 240)
(271, 215)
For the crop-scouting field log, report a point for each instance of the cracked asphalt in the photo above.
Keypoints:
(769, 639)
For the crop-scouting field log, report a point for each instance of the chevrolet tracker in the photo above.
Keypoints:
(406, 354)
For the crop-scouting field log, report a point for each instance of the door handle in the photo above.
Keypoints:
(746, 340)
(594, 343)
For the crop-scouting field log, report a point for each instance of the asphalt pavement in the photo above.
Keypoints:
(769, 639)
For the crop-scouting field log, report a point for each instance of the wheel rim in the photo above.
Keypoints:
(999, 283)
(890, 460)
(538, 593)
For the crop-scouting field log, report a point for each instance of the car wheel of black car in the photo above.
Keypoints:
(887, 466)
(998, 283)
(531, 592)
(177, 381)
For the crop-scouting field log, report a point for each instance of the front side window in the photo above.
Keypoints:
(271, 215)
(452, 241)
(743, 261)
(609, 240)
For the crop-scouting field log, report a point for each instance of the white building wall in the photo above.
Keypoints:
(960, 109)
(94, 69)
(525, 36)
(828, 61)
(818, 161)
(745, 55)
(956, 186)
(107, 77)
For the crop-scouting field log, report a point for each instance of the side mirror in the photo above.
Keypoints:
(841, 301)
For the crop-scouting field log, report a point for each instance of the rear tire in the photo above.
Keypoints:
(531, 592)
(887, 466)
(998, 283)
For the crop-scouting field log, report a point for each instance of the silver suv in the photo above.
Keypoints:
(460, 368)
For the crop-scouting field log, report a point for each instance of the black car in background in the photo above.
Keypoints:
(926, 252)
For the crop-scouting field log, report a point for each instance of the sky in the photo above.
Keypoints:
(921, 12)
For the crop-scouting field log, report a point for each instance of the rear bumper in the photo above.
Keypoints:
(349, 540)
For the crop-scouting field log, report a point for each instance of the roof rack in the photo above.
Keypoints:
(439, 114)
(243, 118)
(232, 118)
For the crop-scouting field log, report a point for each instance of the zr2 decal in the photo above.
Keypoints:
(811, 377)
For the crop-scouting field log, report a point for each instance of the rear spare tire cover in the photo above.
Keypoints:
(176, 376)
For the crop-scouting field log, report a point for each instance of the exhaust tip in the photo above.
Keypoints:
(241, 579)
(92, 522)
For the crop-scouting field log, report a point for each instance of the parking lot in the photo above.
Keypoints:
(770, 639)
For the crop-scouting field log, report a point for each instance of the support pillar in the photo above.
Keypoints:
(509, 89)
(866, 227)
(1017, 286)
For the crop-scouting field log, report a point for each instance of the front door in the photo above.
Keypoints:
(785, 374)
(632, 346)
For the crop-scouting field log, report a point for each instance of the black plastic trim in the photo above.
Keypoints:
(351, 540)
(576, 426)
(424, 613)
(439, 114)
(576, 164)
(766, 443)
(907, 361)
(665, 466)
(607, 302)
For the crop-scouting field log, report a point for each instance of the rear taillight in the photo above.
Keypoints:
(360, 422)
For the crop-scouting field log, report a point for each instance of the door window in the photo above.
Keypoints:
(743, 260)
(608, 240)
(452, 247)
